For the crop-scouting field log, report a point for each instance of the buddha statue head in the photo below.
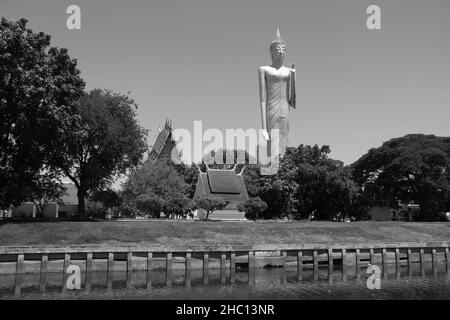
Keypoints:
(278, 48)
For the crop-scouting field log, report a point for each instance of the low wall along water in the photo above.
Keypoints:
(43, 259)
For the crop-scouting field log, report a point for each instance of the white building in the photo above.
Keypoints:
(66, 207)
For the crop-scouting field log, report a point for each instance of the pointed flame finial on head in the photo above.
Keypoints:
(278, 39)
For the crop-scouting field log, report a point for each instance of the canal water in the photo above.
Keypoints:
(415, 281)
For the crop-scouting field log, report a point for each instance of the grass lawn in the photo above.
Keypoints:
(218, 232)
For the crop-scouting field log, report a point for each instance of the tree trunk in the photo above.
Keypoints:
(39, 211)
(81, 194)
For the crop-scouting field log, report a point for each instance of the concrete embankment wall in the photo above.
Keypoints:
(35, 259)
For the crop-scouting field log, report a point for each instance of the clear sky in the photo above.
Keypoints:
(198, 60)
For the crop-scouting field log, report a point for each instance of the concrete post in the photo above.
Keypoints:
(129, 261)
(233, 261)
(44, 260)
(110, 262)
(20, 262)
(169, 261)
(315, 259)
(299, 265)
(434, 255)
(251, 259)
(89, 262)
(66, 261)
(188, 261)
(205, 261)
(149, 260)
(299, 259)
(222, 260)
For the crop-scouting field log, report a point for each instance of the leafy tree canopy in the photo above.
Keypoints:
(158, 186)
(151, 204)
(106, 142)
(253, 208)
(415, 167)
(309, 183)
(157, 178)
(39, 91)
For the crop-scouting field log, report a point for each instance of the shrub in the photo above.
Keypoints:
(95, 209)
(128, 211)
(177, 205)
(150, 204)
(253, 208)
(209, 204)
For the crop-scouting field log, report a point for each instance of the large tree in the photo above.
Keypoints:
(156, 186)
(307, 183)
(326, 188)
(106, 142)
(39, 90)
(190, 175)
(158, 178)
(415, 167)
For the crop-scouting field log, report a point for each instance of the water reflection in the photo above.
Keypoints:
(402, 281)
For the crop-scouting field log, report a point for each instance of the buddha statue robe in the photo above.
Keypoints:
(277, 90)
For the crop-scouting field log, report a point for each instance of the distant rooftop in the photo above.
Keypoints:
(223, 181)
(164, 143)
(225, 184)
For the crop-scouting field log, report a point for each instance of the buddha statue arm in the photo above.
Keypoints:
(263, 99)
(292, 87)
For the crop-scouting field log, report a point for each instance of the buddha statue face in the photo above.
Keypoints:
(278, 51)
